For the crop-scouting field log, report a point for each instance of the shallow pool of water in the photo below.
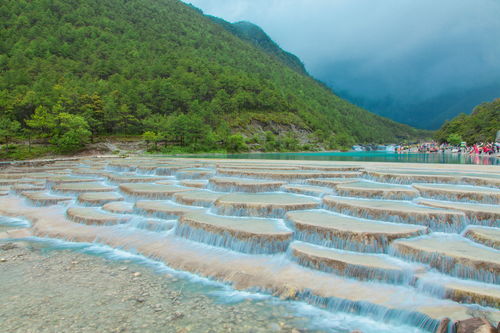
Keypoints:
(369, 156)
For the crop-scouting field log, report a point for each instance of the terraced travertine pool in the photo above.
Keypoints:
(402, 245)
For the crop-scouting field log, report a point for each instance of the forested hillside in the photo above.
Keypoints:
(72, 70)
(480, 126)
(255, 35)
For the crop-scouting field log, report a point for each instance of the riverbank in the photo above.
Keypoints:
(64, 291)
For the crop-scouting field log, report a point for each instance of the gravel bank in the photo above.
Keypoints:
(64, 291)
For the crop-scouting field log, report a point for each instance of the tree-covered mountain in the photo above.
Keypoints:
(480, 126)
(71, 69)
(254, 34)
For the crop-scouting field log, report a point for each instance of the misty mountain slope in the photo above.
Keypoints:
(418, 62)
(430, 113)
(118, 63)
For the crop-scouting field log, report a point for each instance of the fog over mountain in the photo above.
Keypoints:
(418, 62)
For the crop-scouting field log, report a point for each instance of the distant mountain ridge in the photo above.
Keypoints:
(431, 113)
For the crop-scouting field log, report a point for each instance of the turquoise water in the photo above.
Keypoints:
(368, 156)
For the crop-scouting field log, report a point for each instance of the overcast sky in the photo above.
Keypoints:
(405, 49)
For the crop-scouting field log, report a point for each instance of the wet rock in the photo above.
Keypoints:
(91, 215)
(274, 327)
(359, 266)
(438, 219)
(484, 235)
(176, 315)
(349, 233)
(197, 198)
(287, 292)
(8, 246)
(447, 253)
(263, 204)
(119, 207)
(82, 187)
(152, 191)
(244, 185)
(443, 326)
(242, 234)
(99, 198)
(162, 209)
(475, 213)
(157, 308)
(474, 325)
(44, 198)
(376, 190)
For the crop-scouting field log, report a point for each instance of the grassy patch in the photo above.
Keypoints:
(23, 152)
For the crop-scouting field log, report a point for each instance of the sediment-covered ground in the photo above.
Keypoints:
(64, 291)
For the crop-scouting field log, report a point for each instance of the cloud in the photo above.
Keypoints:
(403, 49)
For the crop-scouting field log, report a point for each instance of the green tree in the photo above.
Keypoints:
(72, 133)
(236, 143)
(290, 142)
(343, 140)
(157, 123)
(179, 129)
(90, 107)
(27, 133)
(8, 129)
(271, 143)
(43, 121)
(454, 139)
(150, 136)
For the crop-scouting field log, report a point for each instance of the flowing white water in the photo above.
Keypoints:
(349, 279)
(309, 317)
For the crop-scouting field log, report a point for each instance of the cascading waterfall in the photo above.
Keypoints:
(252, 245)
(285, 244)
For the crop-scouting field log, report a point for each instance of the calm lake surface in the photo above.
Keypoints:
(369, 156)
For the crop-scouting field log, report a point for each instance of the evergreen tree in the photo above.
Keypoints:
(8, 129)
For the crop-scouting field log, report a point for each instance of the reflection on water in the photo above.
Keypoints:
(369, 156)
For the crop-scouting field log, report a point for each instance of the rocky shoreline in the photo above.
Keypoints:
(64, 291)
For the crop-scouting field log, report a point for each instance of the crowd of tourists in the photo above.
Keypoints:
(482, 148)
